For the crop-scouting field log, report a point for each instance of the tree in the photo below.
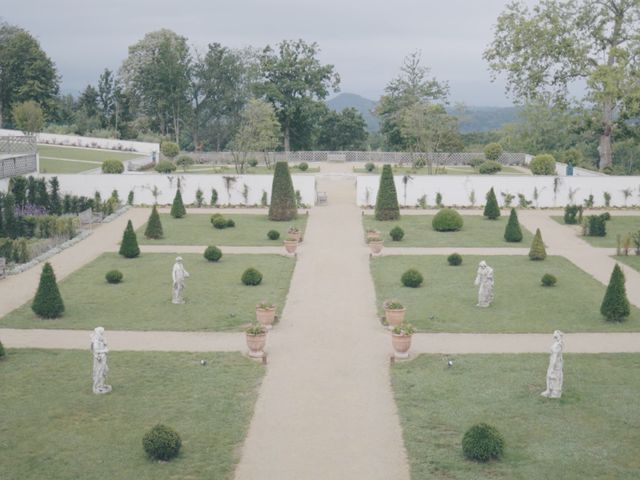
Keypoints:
(177, 207)
(26, 72)
(106, 101)
(345, 130)
(259, 131)
(493, 151)
(169, 149)
(154, 226)
(88, 102)
(387, 207)
(293, 80)
(513, 232)
(491, 209)
(537, 250)
(48, 303)
(283, 205)
(129, 246)
(615, 305)
(28, 117)
(548, 49)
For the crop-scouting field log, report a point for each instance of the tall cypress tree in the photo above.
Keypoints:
(55, 206)
(387, 207)
(11, 226)
(513, 232)
(129, 246)
(177, 208)
(48, 303)
(283, 197)
(615, 305)
(154, 226)
(537, 251)
(491, 209)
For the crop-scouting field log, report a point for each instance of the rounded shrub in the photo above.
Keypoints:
(412, 278)
(493, 151)
(303, 166)
(161, 443)
(184, 161)
(548, 280)
(251, 277)
(396, 234)
(476, 162)
(169, 149)
(219, 222)
(489, 167)
(252, 162)
(231, 223)
(447, 220)
(273, 234)
(482, 443)
(112, 165)
(212, 253)
(369, 167)
(543, 165)
(454, 259)
(114, 276)
(606, 216)
(165, 166)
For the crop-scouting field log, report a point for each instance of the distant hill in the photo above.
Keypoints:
(361, 104)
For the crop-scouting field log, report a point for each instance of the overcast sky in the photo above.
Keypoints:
(366, 40)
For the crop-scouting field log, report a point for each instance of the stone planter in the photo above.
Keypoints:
(401, 345)
(297, 236)
(291, 246)
(266, 316)
(376, 246)
(394, 316)
(373, 236)
(256, 345)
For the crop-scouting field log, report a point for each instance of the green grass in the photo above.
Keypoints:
(259, 170)
(196, 229)
(216, 299)
(54, 427)
(632, 260)
(55, 159)
(476, 232)
(621, 225)
(463, 170)
(591, 432)
(49, 165)
(446, 300)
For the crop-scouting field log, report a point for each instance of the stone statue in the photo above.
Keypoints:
(179, 274)
(554, 372)
(484, 279)
(100, 368)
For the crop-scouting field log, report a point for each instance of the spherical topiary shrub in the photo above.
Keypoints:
(412, 278)
(169, 149)
(112, 165)
(212, 253)
(273, 234)
(231, 223)
(161, 443)
(396, 234)
(369, 167)
(489, 167)
(165, 166)
(219, 222)
(251, 277)
(543, 165)
(482, 443)
(548, 280)
(303, 167)
(493, 151)
(454, 259)
(447, 220)
(114, 276)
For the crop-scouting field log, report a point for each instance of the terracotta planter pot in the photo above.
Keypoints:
(401, 345)
(297, 235)
(394, 316)
(291, 246)
(373, 236)
(256, 345)
(266, 316)
(376, 246)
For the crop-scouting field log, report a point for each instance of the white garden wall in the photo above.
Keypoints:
(90, 142)
(143, 185)
(552, 191)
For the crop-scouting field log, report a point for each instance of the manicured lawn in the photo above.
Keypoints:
(215, 297)
(618, 225)
(259, 170)
(591, 432)
(50, 165)
(55, 159)
(196, 229)
(446, 300)
(632, 260)
(476, 232)
(463, 170)
(54, 427)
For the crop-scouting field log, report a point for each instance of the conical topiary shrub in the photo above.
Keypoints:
(129, 246)
(154, 226)
(387, 200)
(513, 232)
(491, 209)
(283, 197)
(177, 208)
(48, 303)
(615, 305)
(537, 251)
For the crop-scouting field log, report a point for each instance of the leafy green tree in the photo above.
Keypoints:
(283, 205)
(513, 232)
(48, 303)
(493, 151)
(259, 131)
(491, 209)
(615, 305)
(537, 250)
(129, 246)
(88, 102)
(387, 207)
(170, 150)
(293, 80)
(28, 117)
(345, 130)
(543, 165)
(26, 72)
(544, 51)
(107, 101)
(177, 207)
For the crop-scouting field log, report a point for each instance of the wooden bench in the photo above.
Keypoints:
(321, 197)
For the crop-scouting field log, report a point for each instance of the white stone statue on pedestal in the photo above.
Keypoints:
(100, 369)
(178, 275)
(554, 372)
(484, 279)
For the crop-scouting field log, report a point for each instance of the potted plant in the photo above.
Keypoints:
(394, 312)
(291, 244)
(375, 246)
(401, 339)
(373, 234)
(294, 233)
(256, 339)
(265, 314)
